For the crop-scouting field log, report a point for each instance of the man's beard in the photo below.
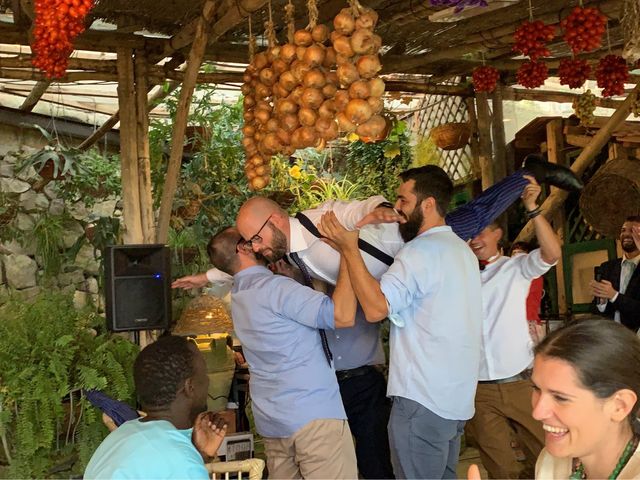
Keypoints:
(628, 247)
(278, 247)
(409, 230)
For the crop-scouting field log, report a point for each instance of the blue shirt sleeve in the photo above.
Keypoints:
(304, 305)
(412, 274)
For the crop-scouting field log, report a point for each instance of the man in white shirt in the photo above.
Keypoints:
(435, 330)
(617, 292)
(503, 398)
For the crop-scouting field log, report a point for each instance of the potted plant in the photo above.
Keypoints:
(54, 161)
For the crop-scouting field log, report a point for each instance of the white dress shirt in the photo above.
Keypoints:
(324, 261)
(433, 292)
(507, 348)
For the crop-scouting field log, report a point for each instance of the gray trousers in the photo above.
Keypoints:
(423, 444)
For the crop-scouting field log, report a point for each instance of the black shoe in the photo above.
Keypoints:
(551, 173)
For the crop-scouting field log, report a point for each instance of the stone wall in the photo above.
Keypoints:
(21, 270)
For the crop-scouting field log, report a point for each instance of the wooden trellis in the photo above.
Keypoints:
(437, 110)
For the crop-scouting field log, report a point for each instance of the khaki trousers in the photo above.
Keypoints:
(321, 449)
(503, 412)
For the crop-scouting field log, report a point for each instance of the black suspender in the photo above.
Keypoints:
(362, 244)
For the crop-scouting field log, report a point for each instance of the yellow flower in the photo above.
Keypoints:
(295, 172)
(353, 137)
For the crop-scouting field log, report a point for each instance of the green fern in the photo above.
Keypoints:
(47, 355)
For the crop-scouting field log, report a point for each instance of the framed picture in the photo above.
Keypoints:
(579, 260)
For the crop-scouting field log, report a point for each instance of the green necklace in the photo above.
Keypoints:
(578, 473)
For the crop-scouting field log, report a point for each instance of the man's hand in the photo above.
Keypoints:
(473, 473)
(381, 215)
(336, 235)
(635, 233)
(209, 430)
(602, 289)
(531, 193)
(191, 281)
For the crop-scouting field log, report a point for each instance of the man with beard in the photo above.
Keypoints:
(617, 294)
(171, 381)
(357, 352)
(295, 396)
(431, 295)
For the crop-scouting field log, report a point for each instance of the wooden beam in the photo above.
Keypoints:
(194, 62)
(517, 94)
(473, 139)
(36, 93)
(578, 140)
(426, 87)
(152, 99)
(142, 144)
(185, 36)
(109, 41)
(586, 157)
(156, 76)
(484, 140)
(128, 149)
(499, 138)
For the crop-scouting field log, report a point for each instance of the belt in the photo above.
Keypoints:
(354, 372)
(524, 375)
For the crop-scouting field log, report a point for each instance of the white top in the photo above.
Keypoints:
(322, 260)
(507, 346)
(433, 292)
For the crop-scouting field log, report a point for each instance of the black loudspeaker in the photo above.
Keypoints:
(137, 287)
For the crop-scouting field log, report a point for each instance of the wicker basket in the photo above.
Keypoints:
(203, 315)
(612, 195)
(451, 136)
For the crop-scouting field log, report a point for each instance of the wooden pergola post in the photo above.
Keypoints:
(499, 138)
(473, 140)
(133, 232)
(144, 162)
(586, 157)
(484, 140)
(194, 62)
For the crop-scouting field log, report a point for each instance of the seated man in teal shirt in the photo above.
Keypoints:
(171, 381)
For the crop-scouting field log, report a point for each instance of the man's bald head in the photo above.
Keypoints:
(254, 213)
(266, 225)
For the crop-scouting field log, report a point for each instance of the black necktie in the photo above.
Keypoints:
(307, 280)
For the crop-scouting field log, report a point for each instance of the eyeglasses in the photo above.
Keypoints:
(257, 238)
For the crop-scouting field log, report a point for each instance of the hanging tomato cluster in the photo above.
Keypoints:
(611, 73)
(583, 29)
(532, 74)
(531, 38)
(485, 79)
(57, 24)
(573, 72)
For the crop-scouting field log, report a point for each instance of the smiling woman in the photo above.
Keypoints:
(586, 385)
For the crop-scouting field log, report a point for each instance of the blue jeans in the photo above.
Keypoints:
(423, 444)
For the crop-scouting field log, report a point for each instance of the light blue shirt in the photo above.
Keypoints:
(147, 450)
(277, 320)
(435, 306)
(356, 346)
